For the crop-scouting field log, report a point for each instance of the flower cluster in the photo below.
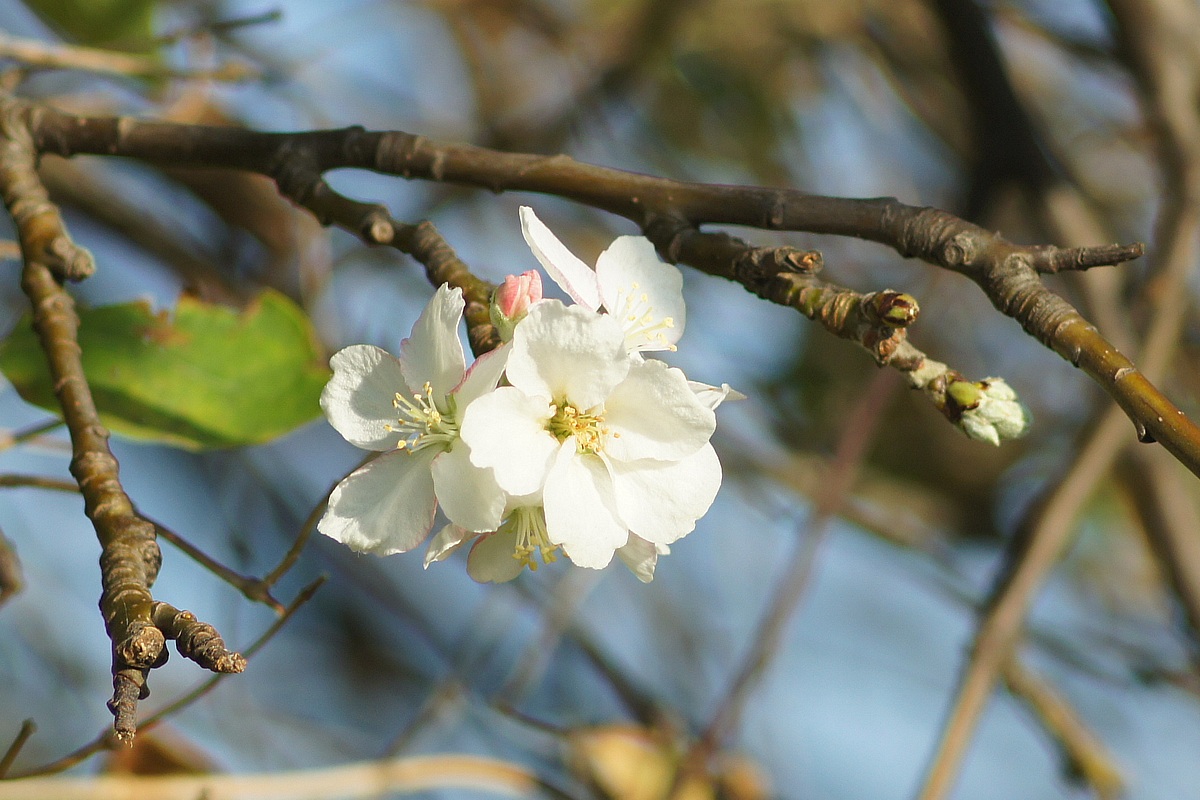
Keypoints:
(564, 439)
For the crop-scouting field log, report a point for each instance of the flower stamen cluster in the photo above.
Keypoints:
(421, 424)
(529, 527)
(640, 320)
(569, 422)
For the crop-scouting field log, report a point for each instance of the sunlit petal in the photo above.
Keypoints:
(640, 556)
(468, 495)
(642, 292)
(482, 377)
(384, 507)
(581, 511)
(357, 401)
(567, 352)
(575, 277)
(445, 542)
(506, 432)
(713, 396)
(661, 500)
(653, 413)
(433, 354)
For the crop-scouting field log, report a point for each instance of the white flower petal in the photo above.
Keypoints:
(640, 556)
(445, 542)
(713, 396)
(357, 401)
(581, 511)
(483, 376)
(385, 506)
(643, 292)
(653, 413)
(661, 500)
(468, 494)
(575, 277)
(434, 353)
(491, 559)
(506, 432)
(567, 352)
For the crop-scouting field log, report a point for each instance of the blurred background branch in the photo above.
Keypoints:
(1062, 568)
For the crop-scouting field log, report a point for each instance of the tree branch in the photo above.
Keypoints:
(1006, 272)
(130, 558)
(11, 581)
(34, 53)
(106, 740)
(365, 779)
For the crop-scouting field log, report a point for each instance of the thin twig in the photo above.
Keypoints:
(789, 588)
(13, 438)
(221, 26)
(107, 740)
(299, 177)
(256, 590)
(1166, 505)
(1048, 529)
(38, 482)
(1084, 752)
(290, 557)
(130, 556)
(11, 580)
(1044, 535)
(565, 600)
(367, 779)
(28, 728)
(34, 53)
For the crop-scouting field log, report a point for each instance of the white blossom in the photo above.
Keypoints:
(630, 282)
(616, 445)
(501, 555)
(408, 409)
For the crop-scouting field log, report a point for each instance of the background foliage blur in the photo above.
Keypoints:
(856, 98)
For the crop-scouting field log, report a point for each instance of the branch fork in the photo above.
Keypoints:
(130, 557)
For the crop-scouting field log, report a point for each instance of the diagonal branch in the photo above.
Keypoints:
(1169, 77)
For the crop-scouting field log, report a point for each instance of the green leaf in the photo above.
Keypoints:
(207, 376)
(124, 24)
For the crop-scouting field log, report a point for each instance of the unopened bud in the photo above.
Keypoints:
(991, 411)
(896, 309)
(512, 299)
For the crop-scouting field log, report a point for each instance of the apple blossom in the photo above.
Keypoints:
(641, 291)
(501, 555)
(408, 409)
(616, 445)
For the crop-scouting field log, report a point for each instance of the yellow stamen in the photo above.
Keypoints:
(588, 429)
(421, 423)
(529, 525)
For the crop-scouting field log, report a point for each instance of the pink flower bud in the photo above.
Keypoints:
(511, 302)
(518, 291)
